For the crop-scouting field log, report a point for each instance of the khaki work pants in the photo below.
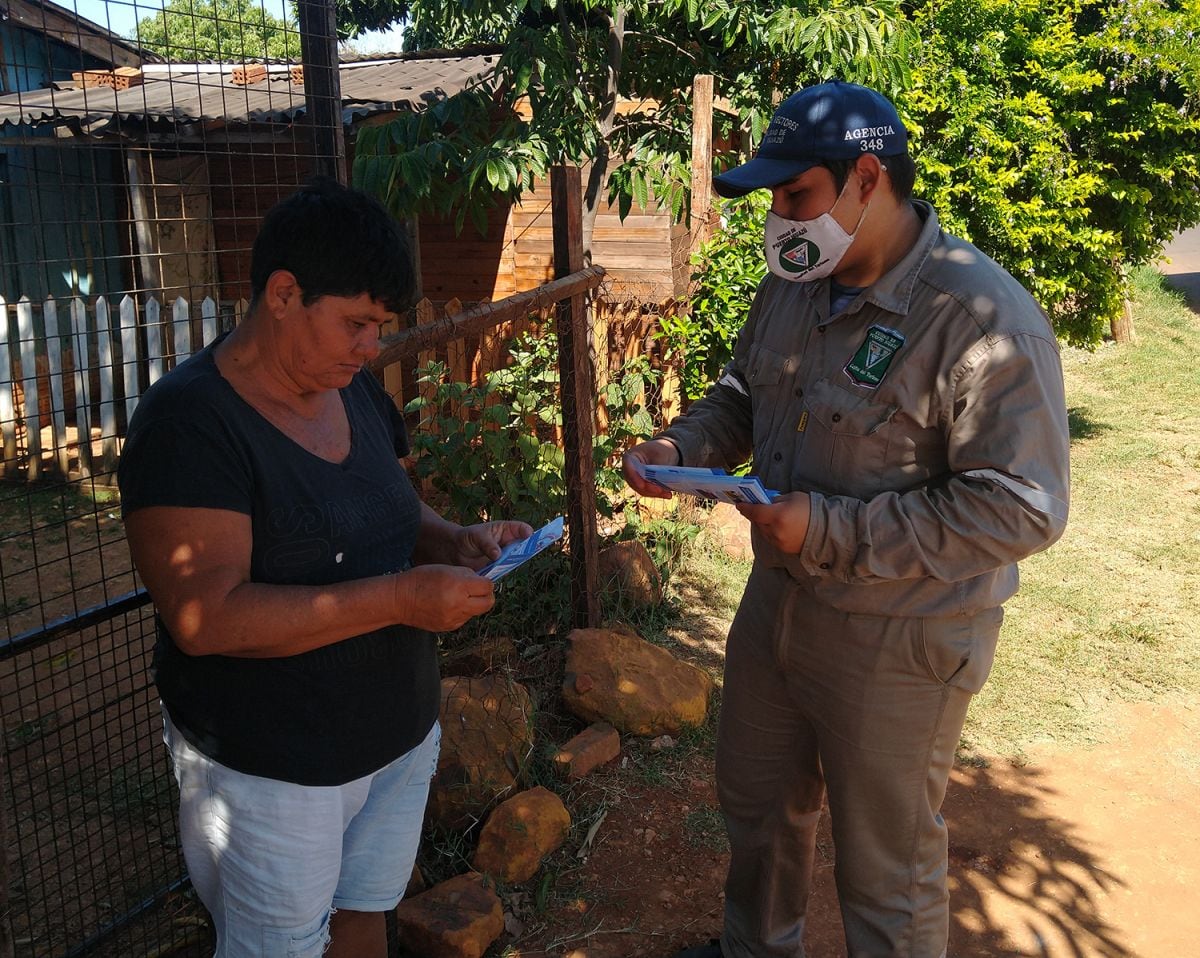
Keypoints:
(868, 708)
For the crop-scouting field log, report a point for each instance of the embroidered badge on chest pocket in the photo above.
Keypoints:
(871, 361)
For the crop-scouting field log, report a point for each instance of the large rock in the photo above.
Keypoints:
(459, 918)
(637, 687)
(730, 531)
(628, 575)
(520, 833)
(487, 737)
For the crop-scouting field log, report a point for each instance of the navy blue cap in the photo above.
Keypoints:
(829, 121)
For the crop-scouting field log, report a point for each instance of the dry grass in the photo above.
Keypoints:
(1108, 614)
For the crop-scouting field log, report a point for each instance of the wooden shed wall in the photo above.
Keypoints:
(645, 256)
(467, 266)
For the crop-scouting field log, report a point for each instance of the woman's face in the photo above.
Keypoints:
(334, 337)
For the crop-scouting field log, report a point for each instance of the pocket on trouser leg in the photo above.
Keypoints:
(959, 651)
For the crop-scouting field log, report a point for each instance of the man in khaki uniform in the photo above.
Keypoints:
(904, 394)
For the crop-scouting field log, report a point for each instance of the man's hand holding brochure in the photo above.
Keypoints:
(706, 483)
(652, 469)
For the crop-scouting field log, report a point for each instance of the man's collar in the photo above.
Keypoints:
(893, 290)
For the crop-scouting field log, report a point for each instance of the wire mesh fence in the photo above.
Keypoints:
(139, 151)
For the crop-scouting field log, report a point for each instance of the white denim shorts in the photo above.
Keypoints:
(271, 861)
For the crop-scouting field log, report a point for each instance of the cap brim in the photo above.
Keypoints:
(759, 174)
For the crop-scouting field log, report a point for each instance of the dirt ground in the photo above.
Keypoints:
(1079, 852)
(1075, 853)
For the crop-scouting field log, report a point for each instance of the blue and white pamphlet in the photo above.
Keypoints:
(707, 483)
(520, 552)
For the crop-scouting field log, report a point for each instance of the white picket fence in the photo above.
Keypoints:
(105, 364)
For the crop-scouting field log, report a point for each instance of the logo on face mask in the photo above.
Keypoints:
(799, 255)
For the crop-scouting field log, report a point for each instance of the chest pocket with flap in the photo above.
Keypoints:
(765, 377)
(843, 445)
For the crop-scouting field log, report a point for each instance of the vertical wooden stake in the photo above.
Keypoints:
(702, 119)
(577, 384)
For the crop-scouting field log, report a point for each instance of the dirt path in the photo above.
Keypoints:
(1079, 853)
(1084, 851)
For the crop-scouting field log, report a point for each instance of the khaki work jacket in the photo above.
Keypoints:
(927, 422)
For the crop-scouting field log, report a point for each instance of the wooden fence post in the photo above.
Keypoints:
(702, 118)
(577, 385)
(8, 398)
(322, 86)
(156, 363)
(108, 400)
(209, 328)
(129, 354)
(27, 343)
(81, 360)
(54, 371)
(181, 322)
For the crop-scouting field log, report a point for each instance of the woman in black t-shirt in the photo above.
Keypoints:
(299, 581)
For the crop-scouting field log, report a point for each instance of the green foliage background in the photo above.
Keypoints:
(218, 30)
(1060, 136)
(729, 268)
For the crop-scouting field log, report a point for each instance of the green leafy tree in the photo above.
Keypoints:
(1061, 138)
(356, 16)
(729, 268)
(573, 63)
(238, 30)
(224, 30)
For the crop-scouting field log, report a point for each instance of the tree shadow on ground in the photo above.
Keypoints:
(1023, 882)
(1186, 286)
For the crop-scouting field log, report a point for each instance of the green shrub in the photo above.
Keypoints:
(499, 458)
(1060, 138)
(728, 268)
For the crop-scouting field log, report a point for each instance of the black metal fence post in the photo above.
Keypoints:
(322, 86)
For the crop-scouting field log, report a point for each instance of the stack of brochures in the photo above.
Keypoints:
(708, 483)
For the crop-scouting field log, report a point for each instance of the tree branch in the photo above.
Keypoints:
(598, 177)
(661, 39)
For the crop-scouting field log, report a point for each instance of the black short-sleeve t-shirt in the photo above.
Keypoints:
(336, 713)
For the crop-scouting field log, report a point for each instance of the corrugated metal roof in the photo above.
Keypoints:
(208, 94)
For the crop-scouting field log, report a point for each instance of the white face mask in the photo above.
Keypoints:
(802, 251)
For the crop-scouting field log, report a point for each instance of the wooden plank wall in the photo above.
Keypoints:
(637, 254)
(621, 332)
(645, 256)
(467, 266)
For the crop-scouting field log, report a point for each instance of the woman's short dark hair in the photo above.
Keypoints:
(900, 167)
(336, 241)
